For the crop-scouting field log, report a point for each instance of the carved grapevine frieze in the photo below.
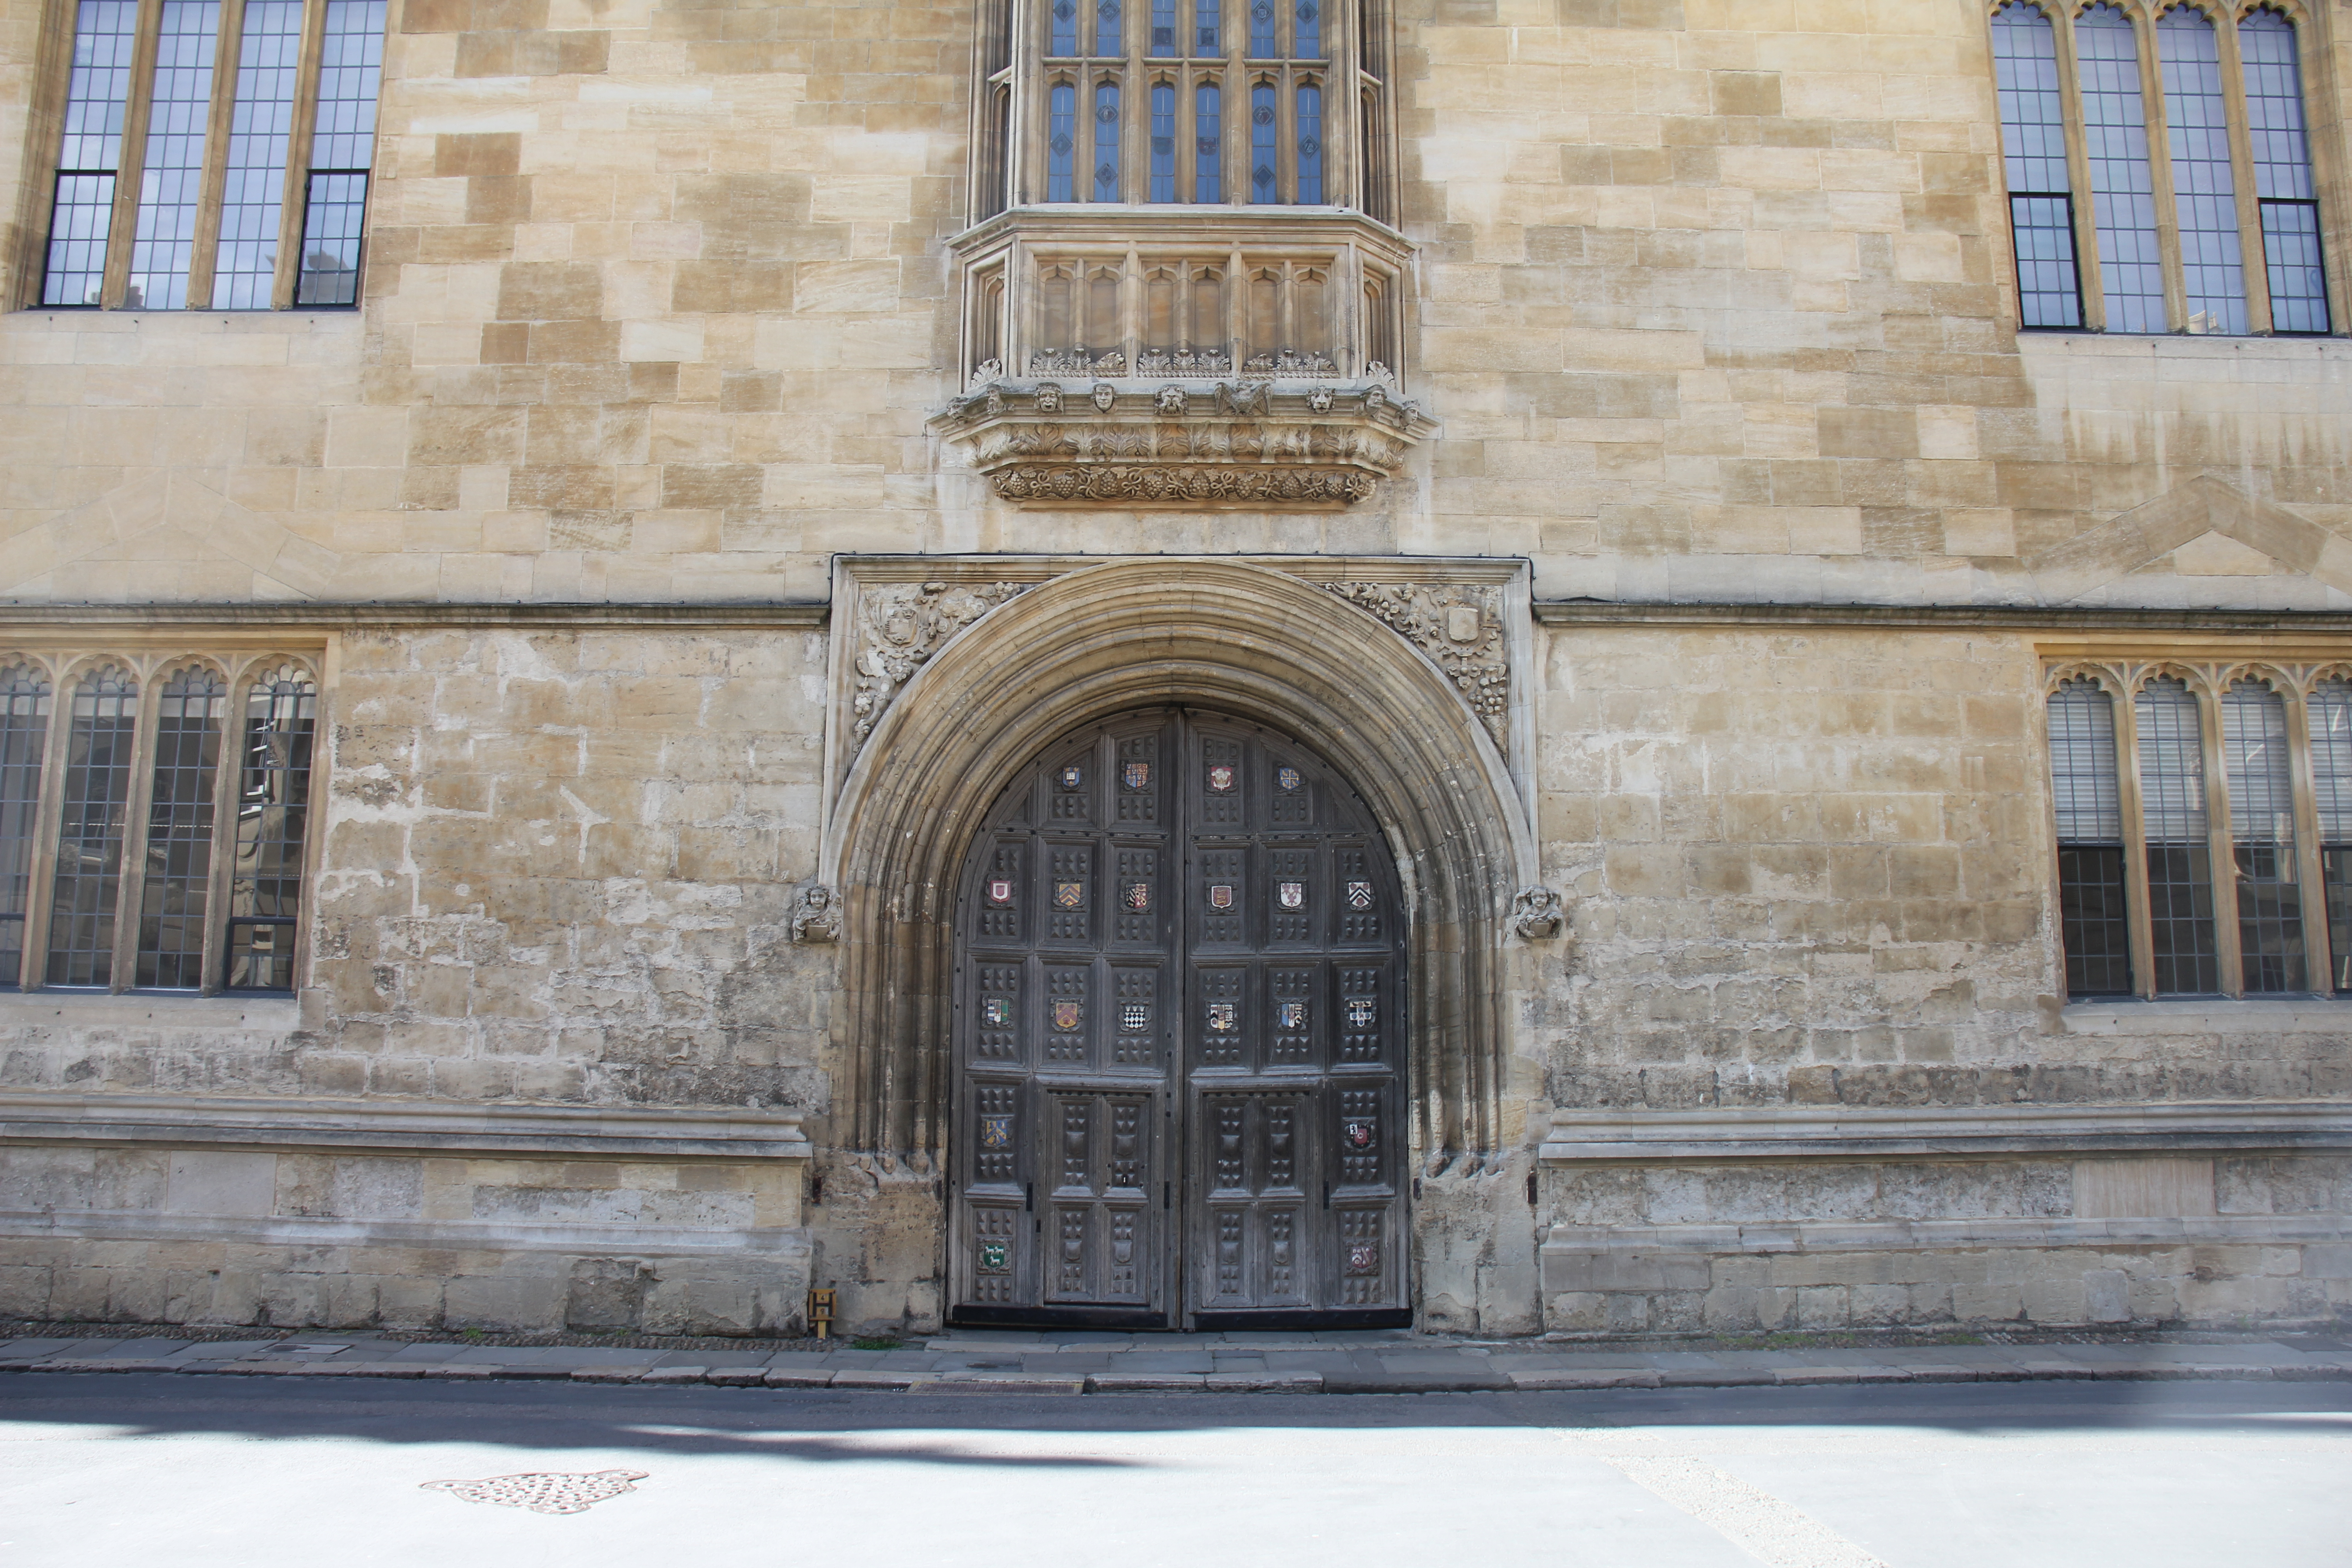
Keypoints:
(1149, 482)
(901, 625)
(1458, 627)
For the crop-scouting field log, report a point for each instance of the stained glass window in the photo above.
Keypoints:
(1163, 142)
(1106, 141)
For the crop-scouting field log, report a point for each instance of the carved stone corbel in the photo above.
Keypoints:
(816, 915)
(1536, 914)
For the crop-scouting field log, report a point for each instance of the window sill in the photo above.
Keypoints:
(2210, 1016)
(2076, 342)
(30, 1009)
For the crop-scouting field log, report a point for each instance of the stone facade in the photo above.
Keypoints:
(597, 513)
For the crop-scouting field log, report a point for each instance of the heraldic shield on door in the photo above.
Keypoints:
(1178, 1038)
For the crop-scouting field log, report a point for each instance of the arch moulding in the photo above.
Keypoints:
(1103, 638)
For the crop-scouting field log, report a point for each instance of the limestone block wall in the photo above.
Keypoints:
(1710, 1247)
(289, 1239)
(1711, 300)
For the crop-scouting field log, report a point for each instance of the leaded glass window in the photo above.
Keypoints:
(2101, 111)
(176, 886)
(2093, 925)
(2283, 184)
(2262, 837)
(153, 834)
(1178, 65)
(2034, 146)
(2329, 711)
(2174, 826)
(265, 886)
(24, 743)
(225, 213)
(91, 825)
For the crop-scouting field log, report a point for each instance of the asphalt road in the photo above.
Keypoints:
(175, 1472)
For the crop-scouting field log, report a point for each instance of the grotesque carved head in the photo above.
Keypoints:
(1049, 398)
(1105, 395)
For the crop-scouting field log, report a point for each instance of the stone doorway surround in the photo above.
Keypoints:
(1409, 675)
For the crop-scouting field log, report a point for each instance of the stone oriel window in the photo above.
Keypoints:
(2159, 166)
(2204, 829)
(1199, 102)
(213, 154)
(154, 822)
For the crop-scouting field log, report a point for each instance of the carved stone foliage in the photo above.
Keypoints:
(1235, 442)
(899, 625)
(1458, 626)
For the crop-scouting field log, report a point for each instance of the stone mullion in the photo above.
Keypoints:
(228, 774)
(130, 881)
(294, 206)
(1131, 307)
(2159, 175)
(48, 817)
(2087, 280)
(324, 668)
(130, 166)
(1343, 181)
(2222, 850)
(2254, 261)
(203, 249)
(2139, 927)
(2319, 968)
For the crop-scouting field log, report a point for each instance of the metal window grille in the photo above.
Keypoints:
(2179, 853)
(24, 741)
(91, 825)
(191, 712)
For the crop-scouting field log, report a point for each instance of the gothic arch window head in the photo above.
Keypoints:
(1183, 102)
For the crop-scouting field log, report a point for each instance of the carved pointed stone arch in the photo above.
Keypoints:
(1109, 639)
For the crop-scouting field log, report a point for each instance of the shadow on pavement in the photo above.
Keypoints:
(824, 1426)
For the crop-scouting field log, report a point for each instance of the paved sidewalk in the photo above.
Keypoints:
(1000, 1362)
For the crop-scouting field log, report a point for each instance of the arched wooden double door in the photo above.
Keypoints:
(1179, 1039)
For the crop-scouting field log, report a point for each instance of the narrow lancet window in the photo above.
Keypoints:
(1264, 138)
(2179, 846)
(178, 115)
(2115, 130)
(1106, 141)
(1208, 144)
(1163, 142)
(2283, 184)
(2033, 143)
(264, 890)
(2329, 707)
(92, 818)
(192, 709)
(342, 149)
(2093, 924)
(24, 742)
(105, 32)
(2204, 190)
(2262, 837)
(261, 124)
